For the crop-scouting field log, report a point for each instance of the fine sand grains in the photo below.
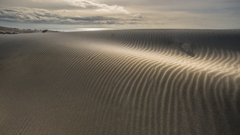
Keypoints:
(168, 82)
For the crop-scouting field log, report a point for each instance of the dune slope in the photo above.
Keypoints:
(166, 82)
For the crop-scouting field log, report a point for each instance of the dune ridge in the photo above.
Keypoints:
(121, 82)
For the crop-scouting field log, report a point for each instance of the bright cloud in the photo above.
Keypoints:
(101, 7)
(90, 4)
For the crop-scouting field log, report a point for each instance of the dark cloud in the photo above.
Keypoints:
(33, 15)
(93, 18)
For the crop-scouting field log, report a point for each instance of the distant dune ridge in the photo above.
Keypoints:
(6, 30)
(147, 82)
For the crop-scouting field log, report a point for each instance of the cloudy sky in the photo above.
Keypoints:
(197, 14)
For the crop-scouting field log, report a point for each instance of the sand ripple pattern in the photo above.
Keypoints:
(121, 82)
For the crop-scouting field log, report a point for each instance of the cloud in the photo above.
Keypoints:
(99, 6)
(137, 16)
(34, 15)
(102, 10)
(79, 12)
(86, 4)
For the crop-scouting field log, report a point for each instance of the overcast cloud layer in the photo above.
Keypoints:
(121, 13)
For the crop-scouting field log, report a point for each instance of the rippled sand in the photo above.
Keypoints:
(166, 82)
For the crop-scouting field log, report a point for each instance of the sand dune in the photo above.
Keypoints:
(166, 82)
(6, 30)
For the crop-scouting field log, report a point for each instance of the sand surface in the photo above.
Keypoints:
(136, 82)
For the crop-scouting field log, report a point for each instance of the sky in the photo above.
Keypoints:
(169, 14)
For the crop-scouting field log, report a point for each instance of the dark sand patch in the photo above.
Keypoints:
(187, 48)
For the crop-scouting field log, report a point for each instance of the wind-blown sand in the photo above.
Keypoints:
(166, 82)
